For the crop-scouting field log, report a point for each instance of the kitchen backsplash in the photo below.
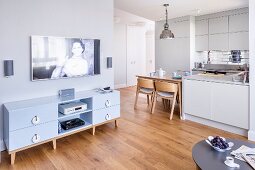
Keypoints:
(220, 57)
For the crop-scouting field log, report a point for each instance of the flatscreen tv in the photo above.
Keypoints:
(58, 57)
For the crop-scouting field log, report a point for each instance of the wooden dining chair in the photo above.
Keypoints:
(144, 86)
(167, 91)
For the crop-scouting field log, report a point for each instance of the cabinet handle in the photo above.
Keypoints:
(107, 103)
(36, 120)
(108, 117)
(36, 138)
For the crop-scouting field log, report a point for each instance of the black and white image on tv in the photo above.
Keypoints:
(54, 57)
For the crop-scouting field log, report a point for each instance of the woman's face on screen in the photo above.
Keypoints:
(77, 49)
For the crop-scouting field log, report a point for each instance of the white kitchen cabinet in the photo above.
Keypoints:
(202, 43)
(202, 27)
(239, 22)
(219, 102)
(218, 42)
(218, 25)
(230, 104)
(239, 41)
(197, 98)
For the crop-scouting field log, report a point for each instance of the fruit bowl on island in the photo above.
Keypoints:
(219, 143)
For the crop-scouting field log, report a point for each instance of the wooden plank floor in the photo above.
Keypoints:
(142, 141)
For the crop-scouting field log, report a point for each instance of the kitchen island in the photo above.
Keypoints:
(220, 78)
(217, 101)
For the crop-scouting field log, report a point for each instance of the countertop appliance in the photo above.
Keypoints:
(235, 56)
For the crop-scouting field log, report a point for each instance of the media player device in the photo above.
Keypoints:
(70, 108)
(69, 124)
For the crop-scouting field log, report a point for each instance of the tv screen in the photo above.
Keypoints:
(56, 57)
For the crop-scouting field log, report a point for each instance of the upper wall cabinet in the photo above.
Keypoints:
(202, 27)
(218, 42)
(239, 22)
(218, 25)
(239, 41)
(202, 35)
(223, 33)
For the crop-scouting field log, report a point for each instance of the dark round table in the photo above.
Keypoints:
(206, 158)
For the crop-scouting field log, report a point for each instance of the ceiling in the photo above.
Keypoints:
(153, 9)
(121, 16)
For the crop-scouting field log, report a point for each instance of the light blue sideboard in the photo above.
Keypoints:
(32, 122)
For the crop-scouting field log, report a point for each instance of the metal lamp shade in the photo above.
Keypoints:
(166, 34)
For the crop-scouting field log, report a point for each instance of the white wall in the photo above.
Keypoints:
(251, 134)
(174, 54)
(64, 18)
(192, 42)
(150, 52)
(120, 55)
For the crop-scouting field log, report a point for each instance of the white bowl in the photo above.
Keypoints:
(210, 138)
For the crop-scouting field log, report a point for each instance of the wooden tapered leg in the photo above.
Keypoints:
(136, 98)
(148, 99)
(13, 155)
(153, 104)
(116, 123)
(93, 130)
(180, 98)
(54, 143)
(152, 100)
(172, 108)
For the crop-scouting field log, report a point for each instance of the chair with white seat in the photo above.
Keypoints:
(144, 86)
(167, 91)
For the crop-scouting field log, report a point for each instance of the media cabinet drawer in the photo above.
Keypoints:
(102, 115)
(32, 116)
(32, 135)
(106, 100)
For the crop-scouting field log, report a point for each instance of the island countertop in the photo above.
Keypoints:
(227, 79)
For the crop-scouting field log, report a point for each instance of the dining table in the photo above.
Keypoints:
(167, 78)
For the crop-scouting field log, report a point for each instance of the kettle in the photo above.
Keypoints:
(161, 72)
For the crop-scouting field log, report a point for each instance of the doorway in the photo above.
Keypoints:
(136, 53)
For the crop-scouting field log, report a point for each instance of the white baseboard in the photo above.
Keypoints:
(2, 146)
(251, 135)
(217, 125)
(118, 86)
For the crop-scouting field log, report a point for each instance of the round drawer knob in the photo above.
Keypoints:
(36, 120)
(107, 103)
(36, 138)
(107, 117)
